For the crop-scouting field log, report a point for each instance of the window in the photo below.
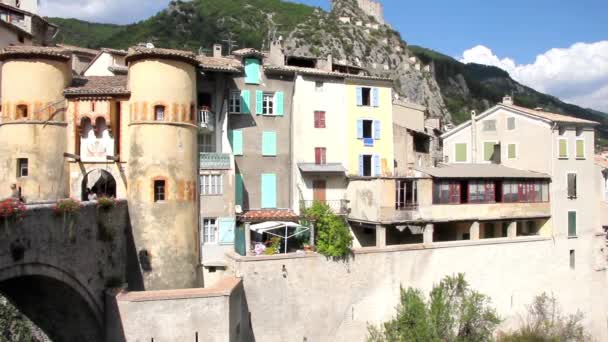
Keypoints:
(489, 125)
(234, 103)
(159, 113)
(368, 131)
(192, 110)
(159, 190)
(236, 141)
(572, 223)
(365, 165)
(572, 186)
(209, 231)
(407, 194)
(212, 185)
(269, 144)
(252, 71)
(319, 86)
(18, 3)
(22, 111)
(319, 119)
(580, 149)
(510, 124)
(512, 151)
(461, 152)
(525, 191)
(572, 259)
(22, 167)
(320, 155)
(488, 230)
(482, 192)
(268, 104)
(422, 143)
(269, 190)
(488, 151)
(563, 148)
(446, 192)
(366, 96)
(207, 143)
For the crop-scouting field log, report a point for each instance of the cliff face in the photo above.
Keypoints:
(354, 38)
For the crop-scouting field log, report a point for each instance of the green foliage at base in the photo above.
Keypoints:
(14, 327)
(454, 312)
(333, 238)
(275, 246)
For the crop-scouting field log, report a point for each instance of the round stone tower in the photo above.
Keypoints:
(163, 165)
(33, 133)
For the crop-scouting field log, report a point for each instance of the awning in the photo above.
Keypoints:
(266, 226)
(322, 168)
(480, 171)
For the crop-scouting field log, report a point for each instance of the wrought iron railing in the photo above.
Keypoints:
(338, 207)
(215, 161)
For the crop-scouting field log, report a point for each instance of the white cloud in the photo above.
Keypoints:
(578, 74)
(107, 11)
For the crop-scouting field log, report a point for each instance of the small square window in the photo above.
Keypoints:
(159, 190)
(22, 111)
(319, 86)
(159, 113)
(235, 102)
(22, 167)
(489, 125)
(319, 119)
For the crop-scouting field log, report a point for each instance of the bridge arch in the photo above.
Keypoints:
(54, 300)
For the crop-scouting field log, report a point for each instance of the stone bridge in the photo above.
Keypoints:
(56, 267)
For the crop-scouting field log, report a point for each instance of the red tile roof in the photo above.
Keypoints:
(34, 52)
(138, 52)
(98, 85)
(263, 215)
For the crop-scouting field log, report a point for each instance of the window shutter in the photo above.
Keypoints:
(377, 165)
(316, 119)
(259, 99)
(510, 124)
(269, 190)
(572, 223)
(572, 185)
(359, 129)
(278, 103)
(226, 230)
(563, 148)
(488, 151)
(512, 151)
(252, 71)
(361, 167)
(375, 97)
(359, 96)
(269, 143)
(377, 128)
(580, 149)
(239, 189)
(461, 152)
(317, 155)
(246, 102)
(236, 142)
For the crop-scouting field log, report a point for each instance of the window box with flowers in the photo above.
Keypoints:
(11, 210)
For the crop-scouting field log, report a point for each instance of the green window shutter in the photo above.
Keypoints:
(238, 198)
(461, 152)
(236, 141)
(278, 103)
(246, 102)
(259, 99)
(269, 143)
(512, 151)
(252, 71)
(269, 190)
(580, 149)
(226, 227)
(488, 151)
(563, 148)
(572, 223)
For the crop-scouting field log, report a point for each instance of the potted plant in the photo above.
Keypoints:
(307, 247)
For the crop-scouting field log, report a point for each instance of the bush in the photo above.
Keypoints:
(106, 202)
(545, 322)
(333, 238)
(454, 312)
(275, 245)
(66, 206)
(12, 209)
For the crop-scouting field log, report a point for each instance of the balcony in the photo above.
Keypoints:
(338, 207)
(215, 161)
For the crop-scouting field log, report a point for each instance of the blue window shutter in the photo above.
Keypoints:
(359, 96)
(269, 190)
(376, 165)
(237, 142)
(259, 99)
(269, 143)
(359, 129)
(239, 187)
(360, 165)
(226, 227)
(252, 71)
(377, 129)
(375, 97)
(278, 103)
(246, 102)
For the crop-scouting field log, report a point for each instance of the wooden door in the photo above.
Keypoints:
(319, 193)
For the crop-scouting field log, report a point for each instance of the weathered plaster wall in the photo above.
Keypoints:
(334, 301)
(29, 137)
(164, 150)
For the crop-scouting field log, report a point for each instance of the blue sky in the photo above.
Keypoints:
(555, 46)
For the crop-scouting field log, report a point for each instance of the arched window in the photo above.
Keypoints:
(159, 113)
(22, 111)
(100, 127)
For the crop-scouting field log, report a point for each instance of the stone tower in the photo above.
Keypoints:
(33, 133)
(369, 7)
(162, 175)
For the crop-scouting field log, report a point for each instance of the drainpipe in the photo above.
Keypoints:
(473, 137)
(291, 129)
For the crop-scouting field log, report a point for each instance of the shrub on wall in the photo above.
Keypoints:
(333, 238)
(106, 203)
(11, 209)
(66, 206)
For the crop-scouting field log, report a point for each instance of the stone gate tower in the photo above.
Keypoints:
(162, 175)
(33, 125)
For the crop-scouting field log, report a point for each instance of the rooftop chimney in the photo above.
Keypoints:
(507, 100)
(277, 56)
(217, 50)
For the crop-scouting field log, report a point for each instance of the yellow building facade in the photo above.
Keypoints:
(369, 127)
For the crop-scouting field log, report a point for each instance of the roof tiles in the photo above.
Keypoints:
(98, 85)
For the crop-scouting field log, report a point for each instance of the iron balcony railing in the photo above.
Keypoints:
(215, 161)
(338, 207)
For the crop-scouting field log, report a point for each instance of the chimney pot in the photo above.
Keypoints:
(507, 100)
(217, 50)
